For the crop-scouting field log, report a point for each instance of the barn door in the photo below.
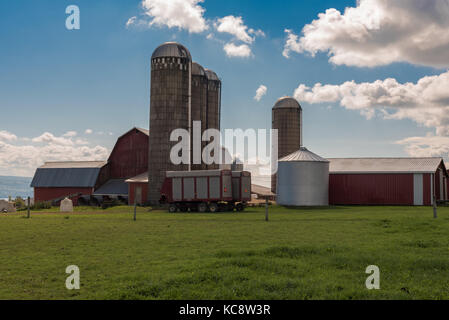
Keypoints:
(418, 190)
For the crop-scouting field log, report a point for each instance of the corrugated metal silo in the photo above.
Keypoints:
(171, 68)
(213, 104)
(199, 104)
(287, 119)
(303, 180)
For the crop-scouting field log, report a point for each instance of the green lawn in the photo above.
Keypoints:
(299, 254)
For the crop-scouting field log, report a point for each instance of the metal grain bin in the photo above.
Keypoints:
(303, 180)
(287, 119)
(171, 68)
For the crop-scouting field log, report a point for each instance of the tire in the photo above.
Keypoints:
(172, 208)
(213, 207)
(184, 209)
(202, 207)
(240, 207)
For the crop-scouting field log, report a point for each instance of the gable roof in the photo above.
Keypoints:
(384, 165)
(72, 164)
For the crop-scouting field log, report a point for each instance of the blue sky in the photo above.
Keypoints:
(53, 80)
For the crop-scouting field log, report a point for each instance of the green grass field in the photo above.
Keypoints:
(299, 254)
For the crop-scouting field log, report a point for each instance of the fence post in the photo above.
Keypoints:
(266, 209)
(135, 210)
(28, 208)
(435, 215)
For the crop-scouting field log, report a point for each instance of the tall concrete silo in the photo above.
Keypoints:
(287, 119)
(171, 68)
(213, 105)
(199, 106)
(303, 179)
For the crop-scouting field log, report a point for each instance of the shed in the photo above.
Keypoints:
(57, 180)
(387, 181)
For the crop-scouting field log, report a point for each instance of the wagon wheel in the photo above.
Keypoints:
(172, 208)
(213, 207)
(202, 207)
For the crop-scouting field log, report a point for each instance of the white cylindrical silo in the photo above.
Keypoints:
(303, 180)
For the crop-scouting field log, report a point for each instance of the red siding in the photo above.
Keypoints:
(49, 194)
(132, 192)
(371, 189)
(130, 156)
(427, 196)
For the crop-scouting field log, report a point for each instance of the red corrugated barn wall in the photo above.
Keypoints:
(371, 189)
(133, 189)
(130, 155)
(49, 194)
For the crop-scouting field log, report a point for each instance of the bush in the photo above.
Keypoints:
(20, 203)
(41, 205)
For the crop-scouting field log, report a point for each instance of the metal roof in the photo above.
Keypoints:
(144, 131)
(141, 178)
(198, 70)
(384, 165)
(73, 164)
(303, 155)
(261, 191)
(211, 75)
(117, 187)
(194, 173)
(171, 49)
(287, 102)
(66, 177)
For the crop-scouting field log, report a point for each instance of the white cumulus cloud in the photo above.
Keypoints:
(428, 146)
(236, 27)
(260, 92)
(23, 159)
(425, 102)
(7, 136)
(379, 32)
(88, 131)
(240, 51)
(182, 14)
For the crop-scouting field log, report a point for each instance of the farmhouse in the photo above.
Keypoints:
(81, 180)
(387, 181)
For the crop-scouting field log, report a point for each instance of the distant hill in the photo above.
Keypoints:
(15, 187)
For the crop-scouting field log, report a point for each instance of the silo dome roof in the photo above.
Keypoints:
(303, 155)
(198, 70)
(171, 49)
(211, 75)
(287, 102)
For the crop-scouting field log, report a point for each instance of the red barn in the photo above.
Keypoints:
(387, 181)
(56, 180)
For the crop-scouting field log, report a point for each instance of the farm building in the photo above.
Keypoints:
(387, 181)
(82, 179)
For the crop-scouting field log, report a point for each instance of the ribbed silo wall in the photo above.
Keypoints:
(169, 110)
(288, 122)
(199, 110)
(213, 110)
